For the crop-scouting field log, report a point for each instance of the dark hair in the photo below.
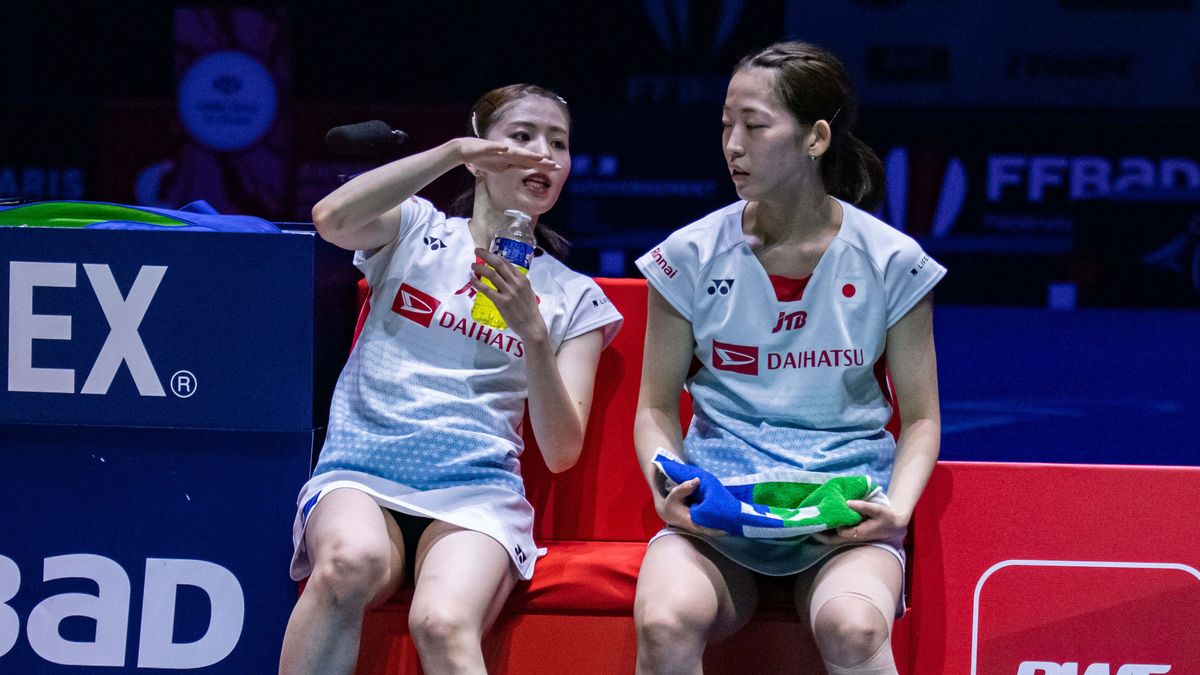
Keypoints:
(485, 113)
(814, 86)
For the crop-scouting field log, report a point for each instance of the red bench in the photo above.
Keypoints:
(576, 614)
(1057, 567)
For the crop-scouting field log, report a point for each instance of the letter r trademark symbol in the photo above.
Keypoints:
(183, 383)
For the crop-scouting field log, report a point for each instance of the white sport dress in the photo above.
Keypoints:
(793, 379)
(426, 416)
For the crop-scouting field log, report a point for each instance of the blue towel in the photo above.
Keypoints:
(776, 504)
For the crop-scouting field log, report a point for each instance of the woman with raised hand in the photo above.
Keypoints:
(419, 475)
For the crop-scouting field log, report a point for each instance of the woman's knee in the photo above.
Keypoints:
(849, 630)
(441, 625)
(665, 626)
(351, 574)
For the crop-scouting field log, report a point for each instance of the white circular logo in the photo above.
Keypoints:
(227, 100)
(183, 384)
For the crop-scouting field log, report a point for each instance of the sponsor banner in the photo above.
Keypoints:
(1037, 617)
(1015, 577)
(1070, 195)
(168, 329)
(146, 549)
(1067, 193)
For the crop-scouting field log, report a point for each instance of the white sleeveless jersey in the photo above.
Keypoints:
(429, 398)
(790, 383)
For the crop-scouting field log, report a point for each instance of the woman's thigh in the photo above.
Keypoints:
(463, 570)
(868, 573)
(349, 524)
(693, 583)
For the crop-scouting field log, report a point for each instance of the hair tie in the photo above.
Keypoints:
(475, 125)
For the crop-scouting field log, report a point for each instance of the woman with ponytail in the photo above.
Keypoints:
(419, 479)
(783, 315)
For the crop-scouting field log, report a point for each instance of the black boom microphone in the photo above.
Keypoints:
(364, 138)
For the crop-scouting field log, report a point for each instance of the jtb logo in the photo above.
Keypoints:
(790, 321)
(109, 609)
(1051, 668)
(124, 315)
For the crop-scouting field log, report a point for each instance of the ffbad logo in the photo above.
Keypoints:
(108, 609)
(124, 316)
(735, 358)
(415, 305)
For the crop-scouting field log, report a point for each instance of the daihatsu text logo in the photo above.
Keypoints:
(735, 358)
(124, 316)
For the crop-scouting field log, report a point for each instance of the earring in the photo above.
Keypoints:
(812, 157)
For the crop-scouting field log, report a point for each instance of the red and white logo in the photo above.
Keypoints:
(850, 291)
(1065, 617)
(415, 305)
(735, 358)
(790, 321)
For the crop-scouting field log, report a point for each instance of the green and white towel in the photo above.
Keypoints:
(774, 504)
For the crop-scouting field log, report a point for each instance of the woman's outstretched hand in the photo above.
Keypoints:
(496, 156)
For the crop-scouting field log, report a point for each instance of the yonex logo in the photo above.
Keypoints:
(520, 554)
(434, 243)
(415, 305)
(122, 346)
(735, 358)
(722, 286)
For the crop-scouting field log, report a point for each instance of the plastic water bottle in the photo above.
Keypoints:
(514, 242)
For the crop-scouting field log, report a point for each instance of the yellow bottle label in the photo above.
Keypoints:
(485, 311)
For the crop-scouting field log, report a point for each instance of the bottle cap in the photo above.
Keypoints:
(518, 215)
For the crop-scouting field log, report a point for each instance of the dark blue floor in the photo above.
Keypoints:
(1092, 385)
